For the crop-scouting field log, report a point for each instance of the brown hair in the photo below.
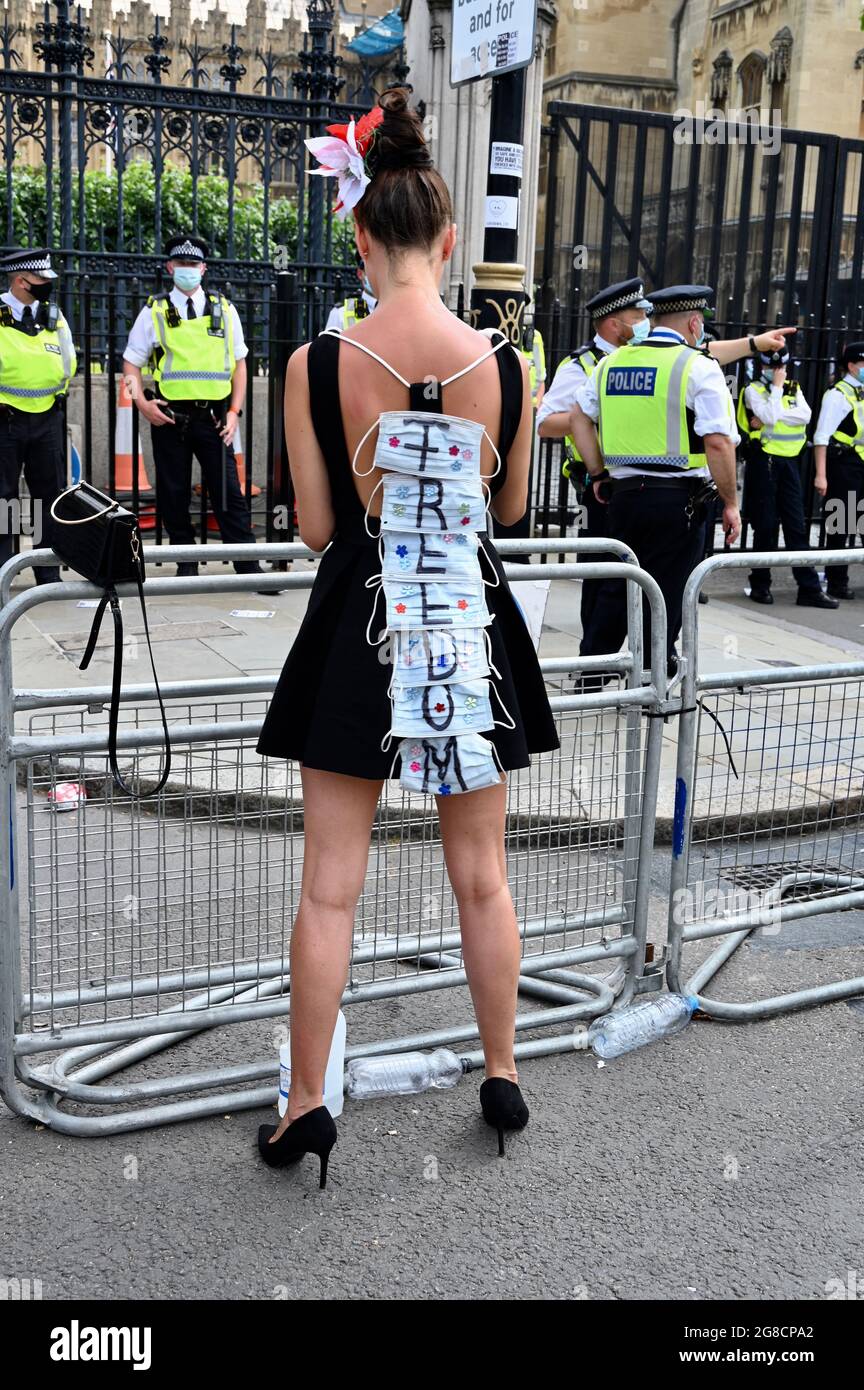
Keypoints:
(407, 204)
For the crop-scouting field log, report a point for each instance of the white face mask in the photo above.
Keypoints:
(424, 657)
(430, 445)
(426, 504)
(461, 603)
(455, 707)
(446, 767)
(417, 555)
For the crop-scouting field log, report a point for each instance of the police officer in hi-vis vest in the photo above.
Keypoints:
(343, 316)
(192, 341)
(773, 416)
(37, 362)
(666, 427)
(619, 315)
(839, 452)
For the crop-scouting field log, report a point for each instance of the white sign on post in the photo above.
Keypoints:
(506, 159)
(502, 212)
(491, 37)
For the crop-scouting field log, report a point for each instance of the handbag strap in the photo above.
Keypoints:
(110, 596)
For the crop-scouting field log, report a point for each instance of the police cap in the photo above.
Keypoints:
(36, 259)
(627, 294)
(682, 299)
(186, 247)
(852, 352)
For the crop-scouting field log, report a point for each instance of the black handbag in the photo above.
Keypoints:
(101, 540)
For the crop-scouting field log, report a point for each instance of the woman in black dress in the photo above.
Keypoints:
(331, 707)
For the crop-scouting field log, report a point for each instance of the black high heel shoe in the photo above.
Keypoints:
(503, 1107)
(312, 1133)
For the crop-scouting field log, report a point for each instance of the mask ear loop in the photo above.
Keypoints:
(366, 471)
(495, 582)
(495, 452)
(380, 483)
(373, 641)
(499, 723)
(492, 667)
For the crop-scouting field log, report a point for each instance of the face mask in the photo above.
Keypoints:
(701, 339)
(428, 445)
(454, 708)
(42, 293)
(440, 655)
(860, 373)
(185, 278)
(460, 603)
(426, 504)
(641, 330)
(768, 377)
(417, 555)
(447, 766)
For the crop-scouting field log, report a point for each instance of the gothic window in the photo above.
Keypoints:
(751, 75)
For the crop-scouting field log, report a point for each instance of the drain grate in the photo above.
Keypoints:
(766, 875)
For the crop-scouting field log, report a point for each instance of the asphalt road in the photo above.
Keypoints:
(723, 1163)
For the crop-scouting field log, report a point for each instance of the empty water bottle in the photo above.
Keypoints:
(403, 1073)
(661, 1017)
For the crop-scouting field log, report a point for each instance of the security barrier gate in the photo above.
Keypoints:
(769, 800)
(131, 925)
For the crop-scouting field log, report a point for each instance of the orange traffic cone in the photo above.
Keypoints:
(123, 459)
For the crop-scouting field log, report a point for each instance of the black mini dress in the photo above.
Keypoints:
(331, 707)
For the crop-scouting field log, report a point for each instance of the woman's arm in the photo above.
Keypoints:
(509, 505)
(315, 518)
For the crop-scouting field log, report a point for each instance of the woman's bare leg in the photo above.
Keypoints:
(338, 813)
(472, 831)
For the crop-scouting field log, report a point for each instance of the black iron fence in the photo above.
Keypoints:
(773, 219)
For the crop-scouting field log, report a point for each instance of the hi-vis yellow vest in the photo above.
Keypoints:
(783, 440)
(353, 310)
(644, 419)
(855, 397)
(587, 357)
(34, 370)
(194, 358)
(535, 356)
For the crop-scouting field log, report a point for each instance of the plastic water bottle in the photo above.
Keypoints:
(403, 1073)
(661, 1017)
(334, 1079)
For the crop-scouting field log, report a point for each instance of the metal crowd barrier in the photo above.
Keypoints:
(128, 926)
(769, 800)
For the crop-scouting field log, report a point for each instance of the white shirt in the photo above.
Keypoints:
(775, 408)
(707, 395)
(143, 339)
(336, 317)
(17, 307)
(835, 408)
(561, 395)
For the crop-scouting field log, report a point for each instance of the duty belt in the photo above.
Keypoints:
(646, 480)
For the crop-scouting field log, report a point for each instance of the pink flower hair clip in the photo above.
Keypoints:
(342, 155)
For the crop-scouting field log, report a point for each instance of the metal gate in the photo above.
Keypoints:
(132, 925)
(769, 802)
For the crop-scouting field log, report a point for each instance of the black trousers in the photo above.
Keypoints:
(35, 443)
(596, 525)
(653, 521)
(174, 447)
(773, 498)
(846, 486)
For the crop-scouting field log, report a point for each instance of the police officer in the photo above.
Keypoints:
(534, 352)
(192, 340)
(37, 362)
(619, 315)
(667, 427)
(839, 441)
(773, 416)
(343, 316)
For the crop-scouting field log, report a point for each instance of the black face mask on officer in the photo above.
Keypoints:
(41, 293)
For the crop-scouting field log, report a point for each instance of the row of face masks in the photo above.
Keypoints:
(433, 505)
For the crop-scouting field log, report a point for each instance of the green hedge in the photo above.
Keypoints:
(139, 203)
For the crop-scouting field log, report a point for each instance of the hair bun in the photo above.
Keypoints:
(399, 141)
